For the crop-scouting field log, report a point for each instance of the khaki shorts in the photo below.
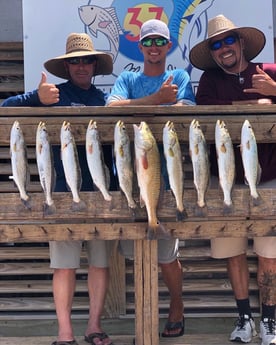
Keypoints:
(167, 250)
(233, 246)
(66, 254)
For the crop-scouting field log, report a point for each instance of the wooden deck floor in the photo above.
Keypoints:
(195, 339)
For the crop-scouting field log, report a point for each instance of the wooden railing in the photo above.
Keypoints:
(101, 221)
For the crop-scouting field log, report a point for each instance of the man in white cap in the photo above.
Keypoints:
(231, 78)
(78, 65)
(157, 86)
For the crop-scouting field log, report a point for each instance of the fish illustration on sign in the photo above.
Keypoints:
(103, 20)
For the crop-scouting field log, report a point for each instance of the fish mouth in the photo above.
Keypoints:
(66, 125)
(92, 124)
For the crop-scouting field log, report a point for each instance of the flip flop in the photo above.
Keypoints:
(100, 335)
(171, 326)
(71, 342)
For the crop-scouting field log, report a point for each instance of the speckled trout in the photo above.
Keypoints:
(45, 165)
(19, 163)
(249, 153)
(226, 163)
(94, 155)
(174, 162)
(70, 161)
(147, 162)
(200, 162)
(123, 161)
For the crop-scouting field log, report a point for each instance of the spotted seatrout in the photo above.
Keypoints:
(123, 161)
(226, 163)
(147, 162)
(249, 153)
(70, 161)
(19, 163)
(94, 155)
(45, 165)
(174, 162)
(200, 162)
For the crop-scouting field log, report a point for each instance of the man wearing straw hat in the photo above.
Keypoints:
(78, 65)
(230, 77)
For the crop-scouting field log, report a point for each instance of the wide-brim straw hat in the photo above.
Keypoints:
(78, 45)
(254, 41)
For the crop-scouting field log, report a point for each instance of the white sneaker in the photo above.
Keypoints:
(244, 331)
(268, 331)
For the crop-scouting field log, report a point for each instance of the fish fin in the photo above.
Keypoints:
(90, 149)
(145, 162)
(259, 174)
(223, 148)
(181, 215)
(247, 144)
(257, 201)
(78, 206)
(170, 152)
(142, 202)
(49, 209)
(196, 149)
(200, 211)
(27, 203)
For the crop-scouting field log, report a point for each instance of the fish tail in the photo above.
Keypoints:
(256, 200)
(158, 232)
(78, 206)
(49, 209)
(181, 215)
(200, 211)
(27, 203)
(227, 208)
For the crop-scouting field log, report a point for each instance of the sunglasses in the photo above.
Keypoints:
(86, 60)
(158, 41)
(228, 41)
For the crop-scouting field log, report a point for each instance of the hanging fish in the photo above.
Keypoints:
(45, 165)
(147, 162)
(123, 161)
(226, 163)
(174, 165)
(249, 153)
(94, 155)
(70, 162)
(19, 163)
(200, 162)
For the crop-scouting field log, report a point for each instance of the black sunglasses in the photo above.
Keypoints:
(86, 60)
(228, 41)
(158, 41)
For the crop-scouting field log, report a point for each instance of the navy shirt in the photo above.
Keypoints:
(70, 95)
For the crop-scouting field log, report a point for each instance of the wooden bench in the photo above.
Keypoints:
(205, 286)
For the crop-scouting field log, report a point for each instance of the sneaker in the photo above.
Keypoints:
(245, 329)
(268, 331)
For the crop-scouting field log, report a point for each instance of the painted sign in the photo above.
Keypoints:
(114, 27)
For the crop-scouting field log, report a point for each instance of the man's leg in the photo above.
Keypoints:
(173, 277)
(98, 279)
(64, 282)
(238, 273)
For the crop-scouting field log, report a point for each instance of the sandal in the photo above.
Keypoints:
(100, 335)
(71, 342)
(171, 326)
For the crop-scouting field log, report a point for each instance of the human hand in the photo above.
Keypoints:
(167, 92)
(262, 83)
(48, 93)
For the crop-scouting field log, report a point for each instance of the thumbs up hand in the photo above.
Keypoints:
(48, 93)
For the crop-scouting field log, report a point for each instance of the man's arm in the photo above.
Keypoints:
(46, 94)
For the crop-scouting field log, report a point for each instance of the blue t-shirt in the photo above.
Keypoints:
(133, 85)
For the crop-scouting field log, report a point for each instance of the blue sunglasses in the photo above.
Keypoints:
(228, 41)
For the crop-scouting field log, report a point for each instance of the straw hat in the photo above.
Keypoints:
(254, 41)
(78, 45)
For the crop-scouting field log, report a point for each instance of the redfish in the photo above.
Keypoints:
(147, 162)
